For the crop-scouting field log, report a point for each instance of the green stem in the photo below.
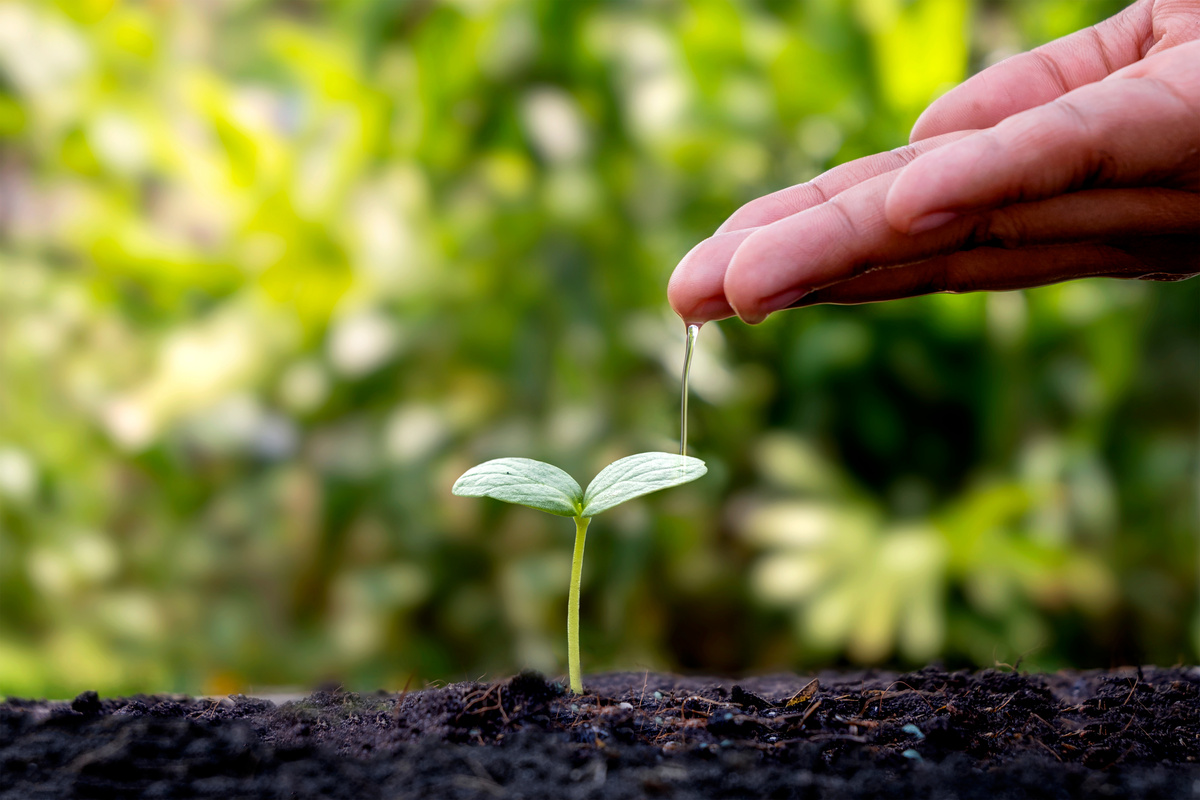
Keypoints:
(581, 526)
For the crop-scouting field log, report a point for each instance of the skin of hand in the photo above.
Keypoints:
(1080, 158)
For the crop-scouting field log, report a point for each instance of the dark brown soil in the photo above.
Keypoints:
(927, 734)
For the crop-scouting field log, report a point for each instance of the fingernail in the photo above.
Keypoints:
(711, 310)
(783, 300)
(931, 221)
(776, 302)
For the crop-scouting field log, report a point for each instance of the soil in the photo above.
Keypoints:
(927, 734)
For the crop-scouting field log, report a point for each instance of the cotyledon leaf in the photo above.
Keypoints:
(637, 475)
(523, 481)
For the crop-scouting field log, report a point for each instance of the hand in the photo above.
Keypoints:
(1080, 158)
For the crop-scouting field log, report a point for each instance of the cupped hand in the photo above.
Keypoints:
(1080, 158)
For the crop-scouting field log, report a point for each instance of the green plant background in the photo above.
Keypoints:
(273, 274)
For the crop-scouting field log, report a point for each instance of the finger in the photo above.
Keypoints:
(997, 269)
(1113, 133)
(697, 287)
(1039, 76)
(794, 199)
(778, 264)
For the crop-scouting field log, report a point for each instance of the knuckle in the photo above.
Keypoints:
(745, 216)
(1052, 69)
(907, 153)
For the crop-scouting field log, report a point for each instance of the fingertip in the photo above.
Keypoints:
(938, 118)
(907, 211)
(730, 224)
(756, 281)
(696, 288)
(943, 116)
(930, 221)
(710, 310)
(695, 302)
(915, 201)
(739, 282)
(897, 205)
(923, 128)
(745, 217)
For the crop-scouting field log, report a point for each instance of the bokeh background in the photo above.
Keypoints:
(273, 274)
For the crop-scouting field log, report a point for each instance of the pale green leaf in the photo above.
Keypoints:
(635, 476)
(525, 482)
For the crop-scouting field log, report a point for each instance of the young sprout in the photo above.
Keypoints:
(547, 488)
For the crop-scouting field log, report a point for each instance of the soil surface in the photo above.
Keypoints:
(926, 734)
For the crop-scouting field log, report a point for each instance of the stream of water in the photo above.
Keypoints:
(689, 347)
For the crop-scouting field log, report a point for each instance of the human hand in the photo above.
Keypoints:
(1080, 158)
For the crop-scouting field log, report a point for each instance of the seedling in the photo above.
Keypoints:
(547, 488)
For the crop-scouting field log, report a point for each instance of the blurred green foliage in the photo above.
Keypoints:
(273, 274)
